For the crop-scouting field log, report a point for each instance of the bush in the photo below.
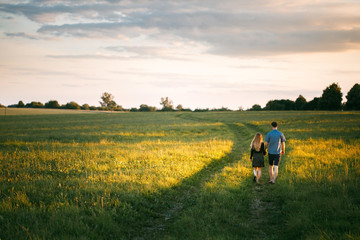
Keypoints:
(118, 108)
(146, 108)
(283, 104)
(201, 110)
(85, 107)
(72, 105)
(223, 109)
(52, 104)
(34, 105)
(255, 107)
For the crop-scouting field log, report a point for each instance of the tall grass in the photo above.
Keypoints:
(316, 195)
(96, 176)
(320, 175)
(177, 176)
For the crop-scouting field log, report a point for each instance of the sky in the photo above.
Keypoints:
(199, 53)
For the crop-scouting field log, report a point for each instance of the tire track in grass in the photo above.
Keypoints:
(183, 196)
(263, 212)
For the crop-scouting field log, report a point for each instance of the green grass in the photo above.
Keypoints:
(177, 176)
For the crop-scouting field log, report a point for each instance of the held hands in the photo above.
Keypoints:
(283, 152)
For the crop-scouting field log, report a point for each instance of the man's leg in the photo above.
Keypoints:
(275, 173)
(271, 165)
(276, 167)
(271, 172)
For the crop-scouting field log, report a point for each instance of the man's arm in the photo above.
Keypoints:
(283, 148)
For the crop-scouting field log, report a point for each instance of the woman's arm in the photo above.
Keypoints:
(263, 149)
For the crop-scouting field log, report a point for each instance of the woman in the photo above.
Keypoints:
(257, 155)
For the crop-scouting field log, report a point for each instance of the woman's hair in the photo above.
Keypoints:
(256, 142)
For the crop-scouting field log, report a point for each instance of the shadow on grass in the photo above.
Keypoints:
(184, 196)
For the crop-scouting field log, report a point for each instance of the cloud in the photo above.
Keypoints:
(257, 67)
(169, 53)
(130, 53)
(229, 28)
(22, 35)
(86, 56)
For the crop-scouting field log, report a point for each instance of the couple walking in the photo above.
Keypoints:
(275, 144)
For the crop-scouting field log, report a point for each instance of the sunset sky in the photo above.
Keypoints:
(199, 53)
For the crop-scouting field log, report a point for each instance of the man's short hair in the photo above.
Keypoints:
(274, 124)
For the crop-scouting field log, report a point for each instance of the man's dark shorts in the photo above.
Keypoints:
(274, 159)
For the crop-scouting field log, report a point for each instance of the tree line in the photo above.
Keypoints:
(331, 99)
(107, 103)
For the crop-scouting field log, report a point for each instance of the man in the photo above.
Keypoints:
(275, 142)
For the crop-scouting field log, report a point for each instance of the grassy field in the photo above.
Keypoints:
(177, 176)
(39, 111)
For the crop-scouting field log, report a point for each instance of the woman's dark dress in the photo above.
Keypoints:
(258, 156)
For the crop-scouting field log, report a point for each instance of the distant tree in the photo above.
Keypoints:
(52, 104)
(34, 105)
(2, 106)
(331, 98)
(179, 107)
(182, 109)
(72, 105)
(118, 108)
(112, 105)
(146, 108)
(222, 109)
(201, 110)
(274, 105)
(300, 103)
(20, 104)
(107, 101)
(167, 104)
(85, 107)
(134, 110)
(312, 105)
(93, 108)
(255, 107)
(353, 98)
(240, 109)
(278, 105)
(12, 106)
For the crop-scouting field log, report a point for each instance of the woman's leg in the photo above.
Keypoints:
(258, 175)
